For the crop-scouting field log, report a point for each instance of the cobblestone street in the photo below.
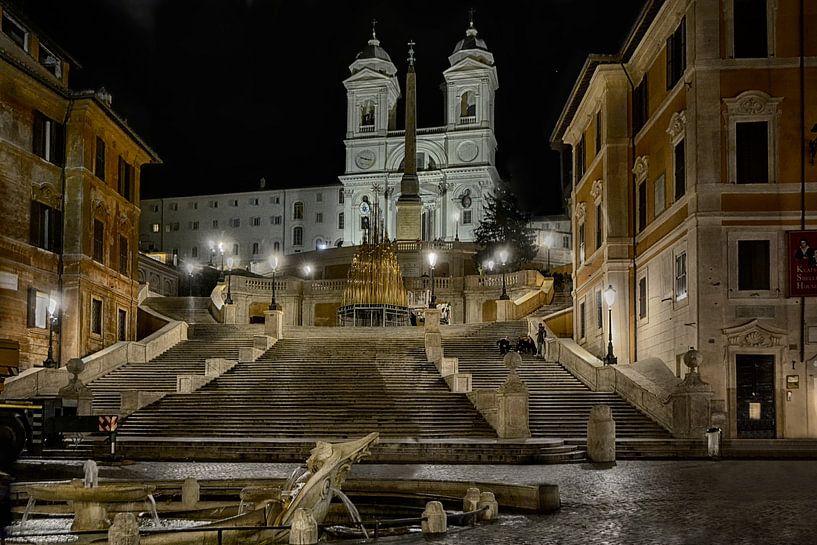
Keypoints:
(661, 502)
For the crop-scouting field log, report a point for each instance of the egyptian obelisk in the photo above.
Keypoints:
(409, 205)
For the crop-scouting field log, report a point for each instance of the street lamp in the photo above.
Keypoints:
(190, 279)
(221, 251)
(230, 262)
(432, 261)
(503, 258)
(456, 226)
(52, 318)
(548, 242)
(610, 298)
(212, 246)
(308, 271)
(273, 263)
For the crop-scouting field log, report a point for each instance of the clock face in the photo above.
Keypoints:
(365, 159)
(364, 208)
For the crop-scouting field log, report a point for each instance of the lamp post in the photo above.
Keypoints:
(432, 262)
(273, 263)
(212, 246)
(52, 317)
(548, 242)
(456, 226)
(503, 258)
(610, 298)
(221, 251)
(308, 271)
(189, 279)
(230, 262)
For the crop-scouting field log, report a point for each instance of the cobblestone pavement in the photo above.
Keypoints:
(633, 503)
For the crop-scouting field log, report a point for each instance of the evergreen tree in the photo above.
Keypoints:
(504, 226)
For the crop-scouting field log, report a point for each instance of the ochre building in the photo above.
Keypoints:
(692, 174)
(69, 180)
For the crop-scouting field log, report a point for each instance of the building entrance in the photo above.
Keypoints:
(755, 388)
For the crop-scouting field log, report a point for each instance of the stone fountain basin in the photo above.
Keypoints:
(104, 493)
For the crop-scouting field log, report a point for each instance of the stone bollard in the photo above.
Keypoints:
(487, 499)
(549, 498)
(124, 530)
(190, 493)
(471, 500)
(601, 435)
(304, 529)
(436, 521)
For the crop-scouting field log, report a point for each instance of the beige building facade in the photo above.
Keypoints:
(69, 176)
(690, 165)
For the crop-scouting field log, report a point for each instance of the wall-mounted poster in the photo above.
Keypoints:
(801, 247)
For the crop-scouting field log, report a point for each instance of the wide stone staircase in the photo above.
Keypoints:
(193, 310)
(559, 403)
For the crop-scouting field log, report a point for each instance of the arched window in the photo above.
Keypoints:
(367, 115)
(298, 236)
(298, 211)
(468, 104)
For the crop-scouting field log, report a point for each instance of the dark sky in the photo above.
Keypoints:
(228, 91)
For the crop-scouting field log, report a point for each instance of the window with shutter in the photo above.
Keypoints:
(99, 242)
(99, 162)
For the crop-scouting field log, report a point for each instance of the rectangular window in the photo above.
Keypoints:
(581, 243)
(680, 170)
(582, 321)
(566, 241)
(680, 276)
(194, 251)
(99, 242)
(215, 224)
(599, 227)
(275, 199)
(124, 256)
(298, 236)
(126, 180)
(599, 311)
(175, 225)
(640, 105)
(213, 204)
(751, 29)
(96, 316)
(580, 159)
(46, 227)
(642, 297)
(252, 201)
(16, 32)
(341, 198)
(50, 61)
(235, 222)
(99, 161)
(753, 265)
(298, 211)
(598, 132)
(122, 325)
(193, 225)
(235, 248)
(341, 221)
(752, 152)
(174, 206)
(319, 217)
(275, 220)
(193, 205)
(256, 248)
(37, 308)
(676, 55)
(642, 205)
(154, 207)
(256, 221)
(318, 197)
(154, 227)
(466, 217)
(659, 195)
(48, 139)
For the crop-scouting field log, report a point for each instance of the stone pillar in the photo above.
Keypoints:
(505, 310)
(229, 313)
(304, 529)
(487, 500)
(124, 530)
(512, 402)
(89, 516)
(274, 324)
(601, 435)
(471, 500)
(436, 521)
(75, 389)
(190, 493)
(432, 324)
(691, 401)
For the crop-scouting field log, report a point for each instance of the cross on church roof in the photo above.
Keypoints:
(471, 12)
(374, 24)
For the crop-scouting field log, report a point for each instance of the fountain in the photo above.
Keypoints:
(89, 499)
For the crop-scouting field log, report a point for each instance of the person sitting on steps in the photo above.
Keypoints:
(504, 345)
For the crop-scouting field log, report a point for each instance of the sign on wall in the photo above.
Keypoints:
(802, 255)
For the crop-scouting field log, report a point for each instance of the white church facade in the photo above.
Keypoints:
(455, 163)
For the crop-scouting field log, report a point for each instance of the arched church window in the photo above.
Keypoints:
(468, 104)
(367, 114)
(298, 236)
(298, 211)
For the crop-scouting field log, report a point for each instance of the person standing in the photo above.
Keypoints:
(541, 334)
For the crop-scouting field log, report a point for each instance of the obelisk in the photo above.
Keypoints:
(409, 205)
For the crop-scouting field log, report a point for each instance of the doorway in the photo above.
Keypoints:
(755, 389)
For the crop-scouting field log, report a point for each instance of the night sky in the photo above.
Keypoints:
(228, 91)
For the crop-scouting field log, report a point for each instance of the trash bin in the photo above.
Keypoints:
(713, 442)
